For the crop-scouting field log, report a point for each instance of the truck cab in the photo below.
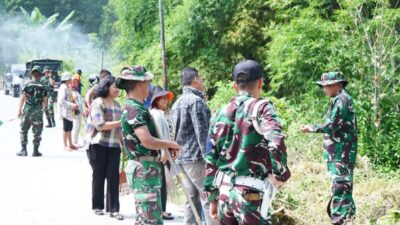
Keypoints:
(55, 65)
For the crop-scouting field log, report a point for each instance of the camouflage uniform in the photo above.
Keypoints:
(144, 169)
(340, 144)
(51, 99)
(236, 149)
(32, 114)
(145, 175)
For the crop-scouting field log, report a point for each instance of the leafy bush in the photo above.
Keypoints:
(295, 41)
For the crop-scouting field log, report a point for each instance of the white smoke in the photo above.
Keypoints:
(21, 41)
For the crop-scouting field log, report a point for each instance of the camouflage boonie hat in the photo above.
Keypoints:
(138, 73)
(36, 68)
(331, 78)
(46, 69)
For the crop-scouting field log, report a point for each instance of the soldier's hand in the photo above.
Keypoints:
(214, 210)
(173, 145)
(305, 128)
(278, 184)
(164, 158)
(19, 114)
(174, 153)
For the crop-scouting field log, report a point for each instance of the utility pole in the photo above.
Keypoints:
(102, 59)
(162, 37)
(165, 85)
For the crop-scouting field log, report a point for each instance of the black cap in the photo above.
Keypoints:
(247, 71)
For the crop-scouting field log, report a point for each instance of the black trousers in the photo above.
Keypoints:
(164, 187)
(105, 165)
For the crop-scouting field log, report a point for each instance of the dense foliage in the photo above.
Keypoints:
(296, 41)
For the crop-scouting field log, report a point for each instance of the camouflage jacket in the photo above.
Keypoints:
(35, 91)
(135, 115)
(236, 148)
(49, 88)
(340, 130)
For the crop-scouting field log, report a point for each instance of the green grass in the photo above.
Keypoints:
(307, 193)
(304, 198)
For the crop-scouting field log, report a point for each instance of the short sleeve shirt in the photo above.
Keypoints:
(35, 91)
(135, 115)
(99, 115)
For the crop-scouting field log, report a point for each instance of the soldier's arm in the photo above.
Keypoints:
(273, 133)
(51, 81)
(334, 122)
(44, 102)
(212, 155)
(21, 104)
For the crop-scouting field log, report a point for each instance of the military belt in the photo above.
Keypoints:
(149, 158)
(263, 186)
(250, 182)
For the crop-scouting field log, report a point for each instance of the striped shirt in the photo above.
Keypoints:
(65, 102)
(98, 116)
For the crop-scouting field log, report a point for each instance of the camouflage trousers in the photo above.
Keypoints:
(32, 119)
(145, 179)
(49, 111)
(240, 206)
(341, 207)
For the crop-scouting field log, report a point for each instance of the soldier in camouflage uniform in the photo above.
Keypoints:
(141, 146)
(243, 155)
(33, 101)
(340, 143)
(48, 82)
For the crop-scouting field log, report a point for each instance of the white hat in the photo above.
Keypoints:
(66, 76)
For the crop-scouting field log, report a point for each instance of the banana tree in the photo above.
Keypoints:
(36, 25)
(37, 19)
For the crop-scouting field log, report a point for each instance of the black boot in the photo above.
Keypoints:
(53, 122)
(49, 122)
(36, 152)
(23, 151)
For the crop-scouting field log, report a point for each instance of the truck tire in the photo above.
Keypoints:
(15, 94)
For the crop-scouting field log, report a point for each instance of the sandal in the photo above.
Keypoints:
(98, 212)
(116, 216)
(167, 216)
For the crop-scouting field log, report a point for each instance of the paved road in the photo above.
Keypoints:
(54, 189)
